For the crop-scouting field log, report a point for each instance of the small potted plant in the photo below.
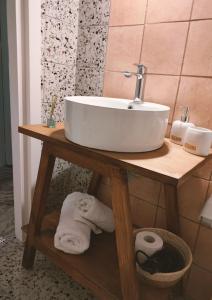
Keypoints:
(51, 123)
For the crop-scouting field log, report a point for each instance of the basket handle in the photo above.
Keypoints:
(136, 257)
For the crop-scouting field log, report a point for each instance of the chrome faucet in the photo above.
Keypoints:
(139, 89)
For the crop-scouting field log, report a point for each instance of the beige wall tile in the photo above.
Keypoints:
(210, 189)
(162, 53)
(123, 47)
(168, 130)
(188, 228)
(195, 92)
(198, 58)
(104, 194)
(199, 284)
(202, 9)
(189, 232)
(192, 195)
(127, 12)
(168, 10)
(105, 180)
(118, 86)
(162, 89)
(161, 202)
(163, 47)
(144, 188)
(205, 171)
(161, 218)
(143, 213)
(203, 252)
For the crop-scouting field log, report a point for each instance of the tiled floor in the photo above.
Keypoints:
(45, 281)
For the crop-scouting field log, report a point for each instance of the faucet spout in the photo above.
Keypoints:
(139, 89)
(140, 82)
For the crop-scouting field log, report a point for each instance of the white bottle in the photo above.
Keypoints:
(180, 127)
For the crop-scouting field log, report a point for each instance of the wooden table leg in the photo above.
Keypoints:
(172, 213)
(38, 205)
(94, 183)
(172, 220)
(124, 235)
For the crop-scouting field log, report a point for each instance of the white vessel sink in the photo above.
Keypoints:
(108, 124)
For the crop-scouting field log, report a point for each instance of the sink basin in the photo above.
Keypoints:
(108, 124)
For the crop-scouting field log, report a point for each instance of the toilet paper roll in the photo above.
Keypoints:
(148, 242)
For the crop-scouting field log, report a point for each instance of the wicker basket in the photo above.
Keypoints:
(165, 280)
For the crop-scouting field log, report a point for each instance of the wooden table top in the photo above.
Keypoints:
(169, 164)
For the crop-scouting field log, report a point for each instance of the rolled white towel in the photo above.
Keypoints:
(71, 236)
(94, 211)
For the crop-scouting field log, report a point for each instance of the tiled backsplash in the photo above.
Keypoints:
(59, 51)
(173, 39)
(175, 46)
(91, 49)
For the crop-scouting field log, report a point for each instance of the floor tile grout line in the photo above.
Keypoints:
(167, 74)
(180, 75)
(144, 30)
(160, 192)
(199, 227)
(186, 42)
(144, 200)
(202, 268)
(163, 22)
(183, 59)
(106, 48)
(185, 218)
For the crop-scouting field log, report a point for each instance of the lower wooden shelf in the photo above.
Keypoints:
(96, 269)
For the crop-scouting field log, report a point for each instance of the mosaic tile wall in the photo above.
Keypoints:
(74, 35)
(91, 50)
(59, 52)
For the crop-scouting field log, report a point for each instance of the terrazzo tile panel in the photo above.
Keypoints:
(89, 82)
(60, 41)
(91, 46)
(94, 12)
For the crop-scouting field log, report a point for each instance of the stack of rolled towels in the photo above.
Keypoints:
(80, 214)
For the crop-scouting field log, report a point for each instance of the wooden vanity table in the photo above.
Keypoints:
(108, 267)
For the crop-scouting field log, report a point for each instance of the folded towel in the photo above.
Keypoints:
(72, 236)
(94, 211)
(77, 196)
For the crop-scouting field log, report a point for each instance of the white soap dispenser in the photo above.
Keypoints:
(179, 127)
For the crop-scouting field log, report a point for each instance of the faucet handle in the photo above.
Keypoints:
(141, 68)
(127, 74)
